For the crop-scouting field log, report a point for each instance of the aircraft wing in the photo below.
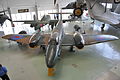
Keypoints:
(51, 22)
(88, 39)
(32, 21)
(22, 38)
(67, 41)
(69, 20)
(26, 21)
(44, 39)
(64, 20)
(94, 39)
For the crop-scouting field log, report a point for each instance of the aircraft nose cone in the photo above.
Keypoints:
(51, 56)
(50, 64)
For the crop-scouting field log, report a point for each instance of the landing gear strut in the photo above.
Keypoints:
(71, 49)
(102, 28)
(43, 47)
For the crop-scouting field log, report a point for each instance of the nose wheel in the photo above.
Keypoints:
(51, 71)
(78, 12)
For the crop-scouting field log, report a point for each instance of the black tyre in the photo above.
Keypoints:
(78, 12)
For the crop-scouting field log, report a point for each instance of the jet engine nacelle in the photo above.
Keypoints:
(33, 44)
(79, 42)
(34, 40)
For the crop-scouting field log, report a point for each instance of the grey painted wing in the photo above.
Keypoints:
(94, 39)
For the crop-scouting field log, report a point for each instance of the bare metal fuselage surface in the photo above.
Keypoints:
(54, 45)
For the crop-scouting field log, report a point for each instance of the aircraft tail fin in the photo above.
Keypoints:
(46, 18)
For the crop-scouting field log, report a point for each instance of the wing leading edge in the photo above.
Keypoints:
(25, 39)
(22, 38)
(88, 39)
(94, 39)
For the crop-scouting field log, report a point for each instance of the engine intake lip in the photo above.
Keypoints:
(79, 46)
(33, 45)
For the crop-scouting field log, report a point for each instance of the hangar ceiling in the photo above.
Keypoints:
(42, 4)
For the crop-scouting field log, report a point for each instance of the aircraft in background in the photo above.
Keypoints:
(78, 8)
(56, 40)
(96, 10)
(46, 19)
(4, 17)
(99, 12)
(37, 24)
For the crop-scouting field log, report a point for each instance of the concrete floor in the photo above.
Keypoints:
(95, 62)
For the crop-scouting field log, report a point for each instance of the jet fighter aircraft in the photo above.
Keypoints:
(56, 40)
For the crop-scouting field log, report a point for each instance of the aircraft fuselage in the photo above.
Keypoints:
(54, 45)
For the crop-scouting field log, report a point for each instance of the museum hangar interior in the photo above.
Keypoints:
(60, 39)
